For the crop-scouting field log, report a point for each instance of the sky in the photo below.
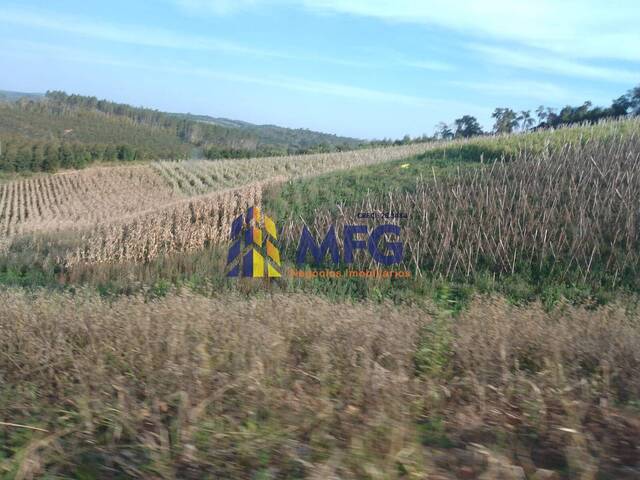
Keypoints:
(362, 68)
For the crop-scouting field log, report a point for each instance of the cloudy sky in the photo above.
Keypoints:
(366, 68)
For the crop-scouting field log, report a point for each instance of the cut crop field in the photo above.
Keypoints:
(81, 199)
(570, 211)
(78, 199)
(197, 177)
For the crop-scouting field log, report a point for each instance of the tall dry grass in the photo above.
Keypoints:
(181, 226)
(191, 387)
(295, 386)
(571, 208)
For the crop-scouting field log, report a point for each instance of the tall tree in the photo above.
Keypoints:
(443, 131)
(621, 105)
(506, 120)
(526, 120)
(634, 98)
(467, 126)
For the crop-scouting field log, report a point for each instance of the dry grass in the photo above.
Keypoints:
(78, 199)
(182, 226)
(81, 199)
(190, 385)
(136, 213)
(570, 208)
(552, 384)
(294, 386)
(198, 177)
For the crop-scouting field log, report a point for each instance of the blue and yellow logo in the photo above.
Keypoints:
(259, 257)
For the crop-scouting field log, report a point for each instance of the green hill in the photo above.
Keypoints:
(47, 131)
(280, 137)
(9, 96)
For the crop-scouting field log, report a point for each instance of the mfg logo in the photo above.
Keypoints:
(389, 254)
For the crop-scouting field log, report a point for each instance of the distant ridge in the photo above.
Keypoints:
(274, 135)
(45, 132)
(7, 95)
(268, 136)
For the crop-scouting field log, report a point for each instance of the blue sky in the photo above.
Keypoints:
(365, 68)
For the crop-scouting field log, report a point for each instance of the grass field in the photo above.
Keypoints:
(511, 352)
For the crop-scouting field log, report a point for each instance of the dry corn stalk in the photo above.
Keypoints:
(185, 225)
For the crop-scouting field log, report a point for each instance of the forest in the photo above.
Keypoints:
(59, 130)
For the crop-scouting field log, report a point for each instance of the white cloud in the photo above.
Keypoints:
(433, 65)
(544, 62)
(568, 29)
(133, 34)
(129, 34)
(216, 7)
(543, 91)
(277, 81)
(161, 38)
(581, 28)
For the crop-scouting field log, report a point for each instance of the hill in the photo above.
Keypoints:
(275, 136)
(44, 132)
(9, 96)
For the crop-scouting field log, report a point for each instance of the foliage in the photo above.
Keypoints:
(19, 154)
(115, 210)
(545, 213)
(467, 126)
(586, 113)
(72, 131)
(187, 131)
(285, 140)
(506, 120)
(31, 122)
(295, 386)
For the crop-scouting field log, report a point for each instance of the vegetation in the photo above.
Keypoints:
(43, 136)
(297, 387)
(187, 131)
(83, 199)
(467, 126)
(508, 121)
(197, 177)
(78, 199)
(579, 170)
(183, 226)
(281, 141)
(563, 215)
(72, 131)
(511, 352)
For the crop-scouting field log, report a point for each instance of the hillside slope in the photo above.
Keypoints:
(36, 128)
(9, 96)
(273, 135)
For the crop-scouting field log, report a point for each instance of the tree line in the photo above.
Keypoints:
(507, 120)
(214, 152)
(72, 131)
(19, 154)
